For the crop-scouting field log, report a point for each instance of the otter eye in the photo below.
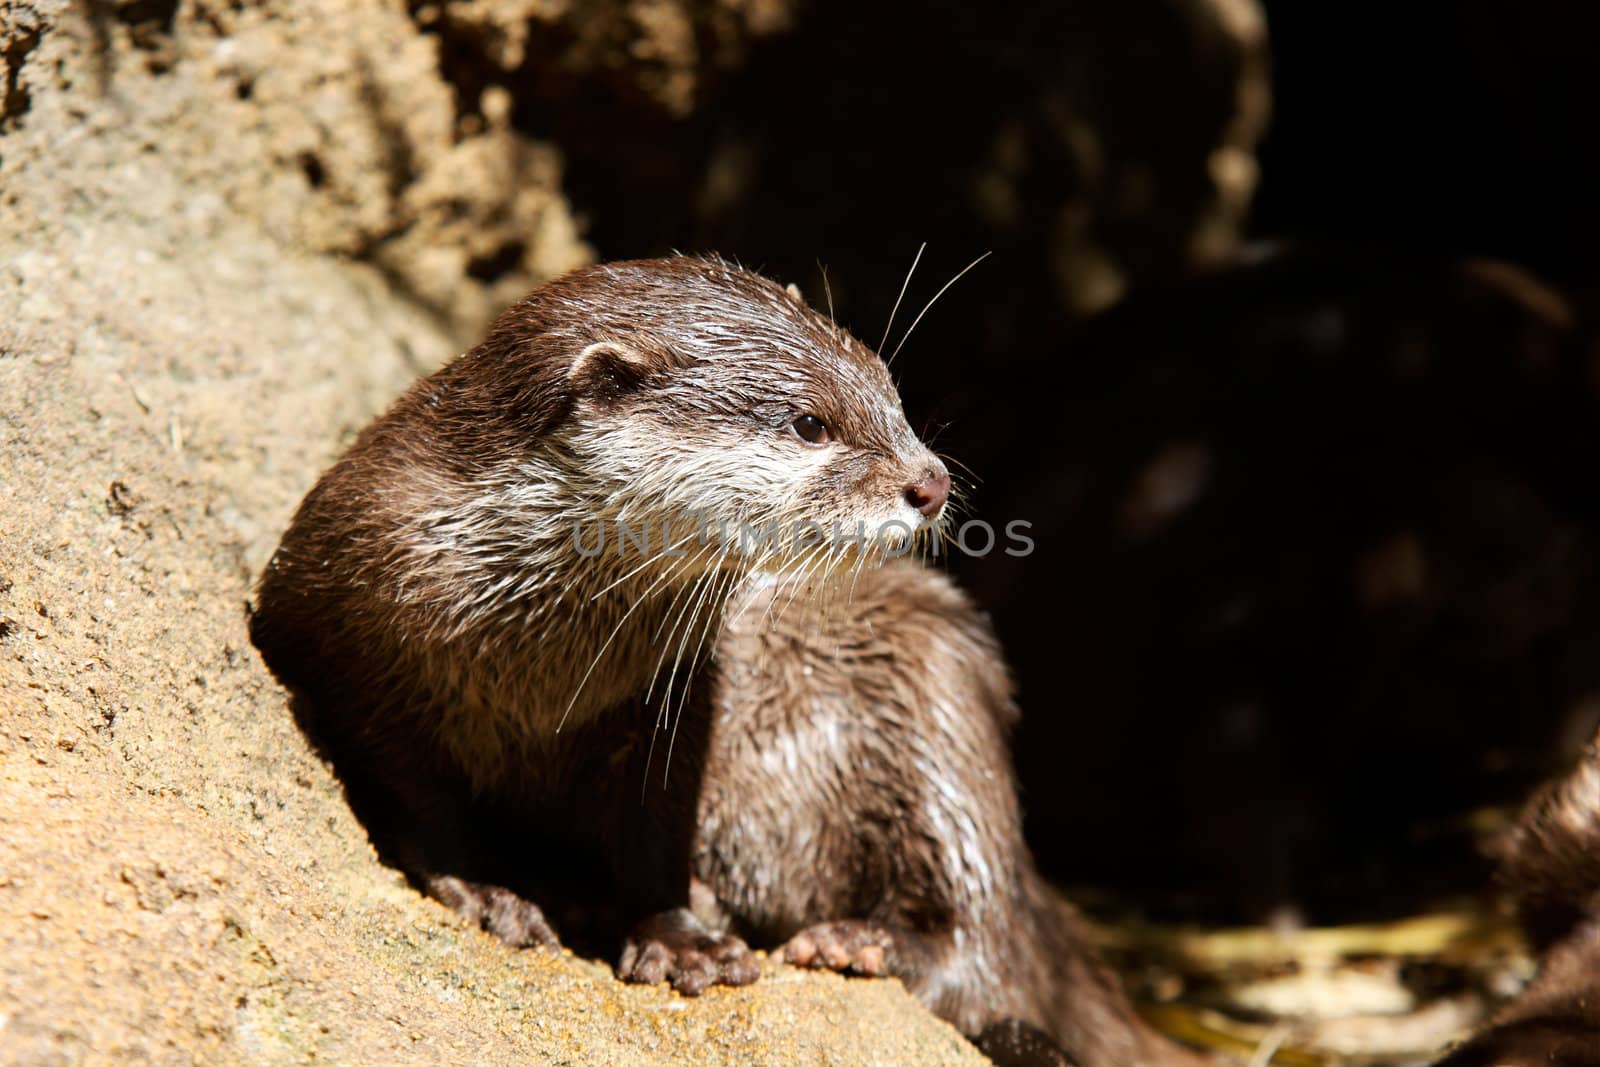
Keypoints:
(812, 430)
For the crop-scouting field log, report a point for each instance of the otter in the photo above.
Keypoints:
(1551, 869)
(547, 620)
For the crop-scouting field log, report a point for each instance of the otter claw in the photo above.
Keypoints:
(513, 919)
(674, 946)
(850, 946)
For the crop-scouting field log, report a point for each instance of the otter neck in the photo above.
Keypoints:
(610, 608)
(635, 635)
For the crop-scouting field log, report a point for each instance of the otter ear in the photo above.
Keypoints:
(609, 370)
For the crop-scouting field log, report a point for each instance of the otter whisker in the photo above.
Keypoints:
(930, 439)
(768, 620)
(694, 661)
(948, 540)
(801, 574)
(930, 304)
(662, 712)
(833, 587)
(810, 565)
(663, 715)
(827, 291)
(648, 560)
(903, 287)
(646, 595)
(687, 595)
(714, 600)
(855, 576)
(707, 582)
(686, 564)
(952, 461)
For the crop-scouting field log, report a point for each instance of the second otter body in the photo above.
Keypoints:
(1552, 870)
(691, 739)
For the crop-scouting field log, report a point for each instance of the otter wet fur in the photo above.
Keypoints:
(565, 710)
(1552, 870)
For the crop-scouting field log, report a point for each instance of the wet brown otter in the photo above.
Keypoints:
(1552, 869)
(490, 673)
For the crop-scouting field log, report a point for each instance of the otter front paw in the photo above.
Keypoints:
(677, 947)
(516, 921)
(850, 946)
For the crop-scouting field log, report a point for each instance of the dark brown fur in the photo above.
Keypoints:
(839, 780)
(1552, 869)
(860, 770)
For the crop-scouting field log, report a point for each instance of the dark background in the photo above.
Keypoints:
(1446, 129)
(1314, 599)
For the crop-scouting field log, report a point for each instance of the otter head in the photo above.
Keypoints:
(702, 397)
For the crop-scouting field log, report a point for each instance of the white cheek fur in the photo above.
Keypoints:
(748, 489)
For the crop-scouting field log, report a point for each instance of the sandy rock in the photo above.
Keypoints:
(327, 123)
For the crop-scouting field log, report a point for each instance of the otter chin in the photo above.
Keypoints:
(604, 629)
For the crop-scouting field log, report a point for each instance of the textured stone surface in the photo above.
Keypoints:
(659, 50)
(325, 123)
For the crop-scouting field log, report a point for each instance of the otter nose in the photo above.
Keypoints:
(929, 494)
